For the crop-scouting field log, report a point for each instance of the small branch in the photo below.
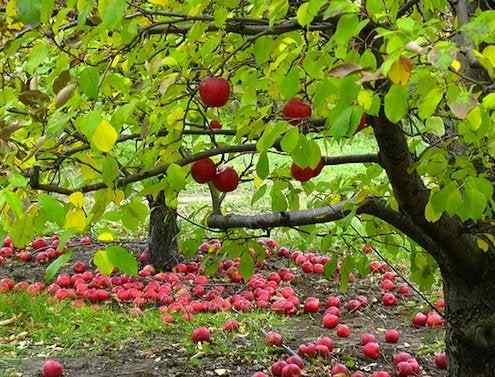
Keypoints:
(406, 8)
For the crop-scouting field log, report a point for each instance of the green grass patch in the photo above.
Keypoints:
(48, 328)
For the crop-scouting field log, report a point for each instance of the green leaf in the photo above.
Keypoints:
(176, 177)
(290, 84)
(346, 268)
(29, 11)
(347, 27)
(270, 135)
(122, 259)
(344, 121)
(102, 262)
(330, 268)
(431, 214)
(246, 267)
(110, 171)
(435, 126)
(14, 202)
(134, 214)
(396, 106)
(263, 167)
(111, 12)
(259, 193)
(429, 103)
(52, 209)
(263, 49)
(56, 265)
(290, 140)
(88, 82)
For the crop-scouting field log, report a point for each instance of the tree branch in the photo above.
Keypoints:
(371, 206)
(162, 169)
(412, 195)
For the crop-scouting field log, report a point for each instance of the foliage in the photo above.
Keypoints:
(99, 101)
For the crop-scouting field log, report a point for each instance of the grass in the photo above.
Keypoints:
(43, 327)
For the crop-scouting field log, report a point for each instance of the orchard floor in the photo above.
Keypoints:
(108, 341)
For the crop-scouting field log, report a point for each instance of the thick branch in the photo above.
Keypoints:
(371, 206)
(412, 194)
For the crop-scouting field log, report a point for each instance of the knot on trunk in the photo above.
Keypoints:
(482, 334)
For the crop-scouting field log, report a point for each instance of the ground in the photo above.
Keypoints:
(106, 340)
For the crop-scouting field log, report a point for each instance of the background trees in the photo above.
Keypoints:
(100, 109)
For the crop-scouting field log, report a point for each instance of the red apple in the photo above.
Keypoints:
(441, 360)
(405, 290)
(322, 350)
(79, 267)
(326, 341)
(343, 331)
(291, 370)
(214, 91)
(367, 338)
(226, 179)
(389, 299)
(400, 357)
(434, 320)
(259, 374)
(339, 370)
(39, 243)
(311, 305)
(387, 285)
(203, 170)
(371, 350)
(358, 374)
(215, 125)
(231, 325)
(318, 268)
(274, 339)
(277, 368)
(52, 368)
(419, 320)
(330, 321)
(404, 369)
(381, 373)
(296, 110)
(333, 301)
(392, 336)
(201, 334)
(296, 360)
(301, 174)
(307, 267)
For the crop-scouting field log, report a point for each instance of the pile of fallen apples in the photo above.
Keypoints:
(186, 291)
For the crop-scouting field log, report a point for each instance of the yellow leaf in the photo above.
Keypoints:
(456, 65)
(75, 220)
(118, 196)
(400, 71)
(11, 8)
(482, 244)
(489, 53)
(159, 2)
(105, 136)
(365, 99)
(77, 199)
(105, 236)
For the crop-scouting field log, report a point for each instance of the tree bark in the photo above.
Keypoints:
(470, 325)
(163, 232)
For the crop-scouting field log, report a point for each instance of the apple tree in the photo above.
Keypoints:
(106, 105)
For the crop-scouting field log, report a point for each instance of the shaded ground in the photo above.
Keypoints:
(155, 353)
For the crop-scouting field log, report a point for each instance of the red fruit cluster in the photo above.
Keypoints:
(225, 178)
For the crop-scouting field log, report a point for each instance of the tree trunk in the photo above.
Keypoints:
(163, 232)
(470, 325)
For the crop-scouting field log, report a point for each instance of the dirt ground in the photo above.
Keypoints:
(161, 357)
